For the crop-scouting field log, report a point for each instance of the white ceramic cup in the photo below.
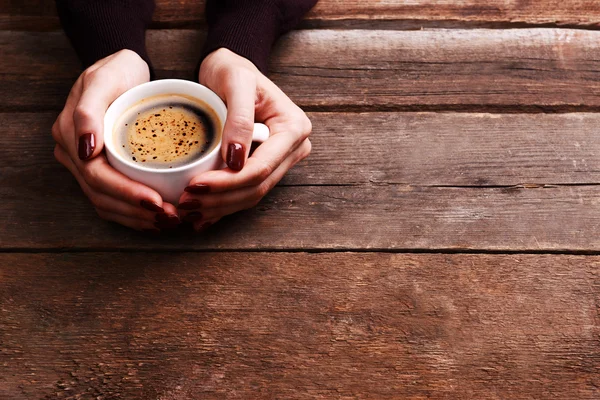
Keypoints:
(169, 183)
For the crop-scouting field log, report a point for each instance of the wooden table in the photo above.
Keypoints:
(440, 242)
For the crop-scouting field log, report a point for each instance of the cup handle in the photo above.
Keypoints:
(261, 133)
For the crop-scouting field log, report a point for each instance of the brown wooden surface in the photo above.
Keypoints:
(41, 14)
(317, 292)
(419, 149)
(430, 185)
(297, 325)
(477, 70)
(326, 218)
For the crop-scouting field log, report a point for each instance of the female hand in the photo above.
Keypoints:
(78, 133)
(249, 96)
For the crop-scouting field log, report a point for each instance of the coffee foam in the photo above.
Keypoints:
(167, 131)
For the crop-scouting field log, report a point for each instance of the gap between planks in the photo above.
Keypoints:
(349, 250)
(40, 25)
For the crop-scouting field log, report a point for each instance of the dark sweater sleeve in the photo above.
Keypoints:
(251, 27)
(99, 28)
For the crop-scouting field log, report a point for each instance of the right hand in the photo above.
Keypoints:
(78, 132)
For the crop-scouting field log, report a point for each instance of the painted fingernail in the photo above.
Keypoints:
(165, 218)
(151, 206)
(190, 205)
(204, 227)
(198, 189)
(193, 216)
(151, 231)
(87, 144)
(235, 156)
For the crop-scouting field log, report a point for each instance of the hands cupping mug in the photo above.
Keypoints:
(135, 174)
(164, 133)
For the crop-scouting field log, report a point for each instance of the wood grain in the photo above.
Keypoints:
(575, 12)
(478, 70)
(396, 194)
(28, 15)
(279, 325)
(44, 209)
(41, 14)
(451, 149)
(419, 149)
(151, 321)
(521, 70)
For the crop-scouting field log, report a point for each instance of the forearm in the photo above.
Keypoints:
(98, 28)
(251, 27)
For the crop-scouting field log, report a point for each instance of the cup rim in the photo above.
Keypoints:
(161, 87)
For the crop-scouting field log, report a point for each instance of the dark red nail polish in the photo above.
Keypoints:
(151, 231)
(151, 206)
(198, 189)
(87, 144)
(194, 216)
(167, 219)
(235, 156)
(190, 205)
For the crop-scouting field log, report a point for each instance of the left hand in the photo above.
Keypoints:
(79, 135)
(250, 96)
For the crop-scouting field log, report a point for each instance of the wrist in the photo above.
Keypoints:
(128, 63)
(136, 60)
(223, 54)
(223, 58)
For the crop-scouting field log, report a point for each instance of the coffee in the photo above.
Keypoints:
(167, 131)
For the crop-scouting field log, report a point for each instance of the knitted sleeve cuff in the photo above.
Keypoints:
(99, 28)
(248, 28)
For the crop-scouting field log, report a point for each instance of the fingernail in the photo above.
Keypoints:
(193, 216)
(151, 231)
(190, 205)
(87, 144)
(165, 218)
(198, 189)
(151, 206)
(204, 227)
(235, 156)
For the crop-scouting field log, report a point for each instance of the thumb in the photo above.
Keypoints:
(240, 96)
(99, 91)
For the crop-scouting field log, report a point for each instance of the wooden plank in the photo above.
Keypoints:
(419, 149)
(41, 15)
(529, 69)
(510, 70)
(28, 15)
(451, 149)
(456, 13)
(280, 325)
(44, 209)
(398, 194)
(321, 218)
